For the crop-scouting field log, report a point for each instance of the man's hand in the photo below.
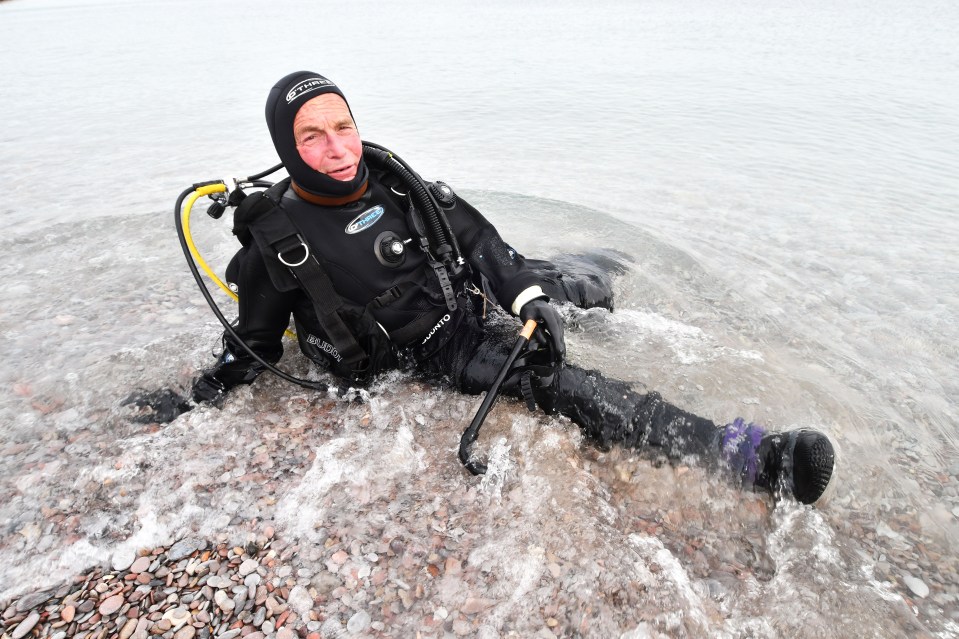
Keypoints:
(549, 321)
(159, 406)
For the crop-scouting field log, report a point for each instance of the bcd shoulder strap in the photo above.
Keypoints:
(280, 241)
(254, 206)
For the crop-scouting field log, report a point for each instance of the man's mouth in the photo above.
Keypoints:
(343, 173)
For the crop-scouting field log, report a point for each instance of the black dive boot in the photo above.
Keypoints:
(799, 463)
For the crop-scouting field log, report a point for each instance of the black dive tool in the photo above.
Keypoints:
(472, 432)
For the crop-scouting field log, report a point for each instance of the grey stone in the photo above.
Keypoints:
(123, 559)
(25, 626)
(917, 586)
(359, 622)
(240, 600)
(184, 548)
(248, 566)
(34, 599)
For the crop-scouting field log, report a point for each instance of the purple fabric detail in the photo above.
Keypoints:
(738, 448)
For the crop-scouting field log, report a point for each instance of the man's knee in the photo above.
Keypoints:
(585, 281)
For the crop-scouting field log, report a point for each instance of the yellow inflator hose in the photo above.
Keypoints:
(208, 189)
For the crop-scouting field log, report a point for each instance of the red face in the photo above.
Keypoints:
(326, 137)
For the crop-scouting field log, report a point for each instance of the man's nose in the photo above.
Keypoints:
(335, 146)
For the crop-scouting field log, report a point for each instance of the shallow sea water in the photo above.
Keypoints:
(783, 178)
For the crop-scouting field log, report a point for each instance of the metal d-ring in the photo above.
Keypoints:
(305, 257)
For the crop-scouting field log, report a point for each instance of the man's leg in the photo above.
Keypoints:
(585, 280)
(610, 412)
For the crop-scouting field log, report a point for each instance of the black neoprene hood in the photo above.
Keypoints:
(286, 98)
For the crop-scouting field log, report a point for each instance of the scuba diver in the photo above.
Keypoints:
(381, 270)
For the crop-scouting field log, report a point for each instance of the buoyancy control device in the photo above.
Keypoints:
(254, 221)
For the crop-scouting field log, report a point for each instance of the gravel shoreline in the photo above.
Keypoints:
(190, 589)
(198, 588)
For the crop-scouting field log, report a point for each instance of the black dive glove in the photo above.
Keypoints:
(550, 323)
(159, 406)
(232, 370)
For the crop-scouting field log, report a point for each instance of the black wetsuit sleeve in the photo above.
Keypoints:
(264, 311)
(264, 316)
(504, 268)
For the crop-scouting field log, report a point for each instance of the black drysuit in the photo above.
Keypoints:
(414, 329)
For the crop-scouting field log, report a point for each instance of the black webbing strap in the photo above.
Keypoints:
(415, 222)
(444, 277)
(278, 232)
(526, 386)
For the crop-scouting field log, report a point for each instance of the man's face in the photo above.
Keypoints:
(326, 137)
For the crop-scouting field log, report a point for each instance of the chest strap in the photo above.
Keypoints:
(276, 235)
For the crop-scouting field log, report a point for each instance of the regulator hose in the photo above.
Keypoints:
(181, 219)
(447, 247)
(263, 174)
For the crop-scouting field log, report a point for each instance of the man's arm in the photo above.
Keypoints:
(504, 268)
(517, 287)
(264, 315)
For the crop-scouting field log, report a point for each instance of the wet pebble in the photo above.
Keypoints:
(128, 628)
(110, 605)
(25, 626)
(917, 586)
(301, 600)
(223, 601)
(186, 632)
(140, 565)
(359, 622)
(248, 566)
(178, 617)
(122, 560)
(184, 548)
(34, 599)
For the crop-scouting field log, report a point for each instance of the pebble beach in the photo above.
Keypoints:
(314, 542)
